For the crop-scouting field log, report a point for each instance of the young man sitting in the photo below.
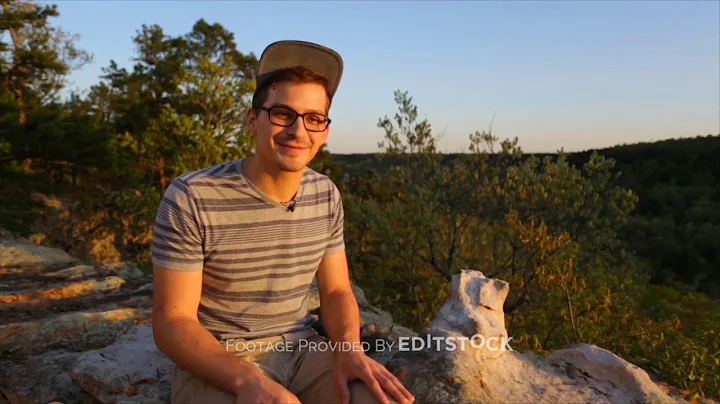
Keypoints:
(237, 245)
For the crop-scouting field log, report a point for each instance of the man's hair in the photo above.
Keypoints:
(297, 75)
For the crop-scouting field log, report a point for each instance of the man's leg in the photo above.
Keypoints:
(187, 388)
(313, 381)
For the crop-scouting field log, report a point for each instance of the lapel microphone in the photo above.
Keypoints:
(291, 206)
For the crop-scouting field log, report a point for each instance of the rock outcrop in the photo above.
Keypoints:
(53, 308)
(469, 359)
(130, 370)
(77, 333)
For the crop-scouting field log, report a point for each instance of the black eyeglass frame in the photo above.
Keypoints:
(297, 115)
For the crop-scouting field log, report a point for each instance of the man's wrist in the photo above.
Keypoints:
(250, 377)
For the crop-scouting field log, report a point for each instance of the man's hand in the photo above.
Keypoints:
(263, 390)
(357, 365)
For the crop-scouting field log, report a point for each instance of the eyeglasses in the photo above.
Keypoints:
(282, 116)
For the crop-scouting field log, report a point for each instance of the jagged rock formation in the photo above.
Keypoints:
(486, 370)
(77, 333)
(52, 308)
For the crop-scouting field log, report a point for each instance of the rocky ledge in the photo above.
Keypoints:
(77, 333)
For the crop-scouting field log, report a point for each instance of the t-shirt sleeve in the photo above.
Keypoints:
(177, 237)
(336, 241)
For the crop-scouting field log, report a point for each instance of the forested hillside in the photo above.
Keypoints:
(676, 222)
(615, 247)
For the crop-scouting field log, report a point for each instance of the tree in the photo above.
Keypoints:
(38, 56)
(182, 107)
(410, 136)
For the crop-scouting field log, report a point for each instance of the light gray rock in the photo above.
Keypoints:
(466, 374)
(611, 373)
(44, 378)
(130, 370)
(375, 322)
(148, 287)
(15, 255)
(73, 331)
(62, 291)
(24, 279)
(474, 310)
(125, 270)
(33, 277)
(385, 346)
(72, 273)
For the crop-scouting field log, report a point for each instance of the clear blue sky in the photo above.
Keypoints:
(557, 74)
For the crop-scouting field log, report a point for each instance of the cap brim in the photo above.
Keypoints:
(284, 54)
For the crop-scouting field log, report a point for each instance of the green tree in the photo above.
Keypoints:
(180, 108)
(404, 134)
(38, 57)
(183, 105)
(36, 128)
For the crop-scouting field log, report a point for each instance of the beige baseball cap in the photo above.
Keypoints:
(283, 54)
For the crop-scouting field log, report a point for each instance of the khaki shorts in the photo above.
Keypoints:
(299, 361)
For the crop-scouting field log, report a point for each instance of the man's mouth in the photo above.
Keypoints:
(292, 147)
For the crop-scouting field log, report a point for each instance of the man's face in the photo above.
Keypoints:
(289, 148)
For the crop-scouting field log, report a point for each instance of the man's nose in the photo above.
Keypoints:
(298, 127)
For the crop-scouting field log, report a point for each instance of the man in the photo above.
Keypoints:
(237, 245)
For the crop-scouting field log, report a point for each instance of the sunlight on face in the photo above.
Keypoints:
(290, 148)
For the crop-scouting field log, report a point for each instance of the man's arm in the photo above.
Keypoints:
(177, 255)
(179, 335)
(338, 306)
(178, 262)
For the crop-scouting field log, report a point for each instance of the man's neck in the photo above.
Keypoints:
(281, 186)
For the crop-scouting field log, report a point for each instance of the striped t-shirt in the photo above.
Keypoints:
(258, 256)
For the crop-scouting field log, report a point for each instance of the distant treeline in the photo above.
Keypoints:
(676, 222)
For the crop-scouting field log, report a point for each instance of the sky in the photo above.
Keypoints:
(570, 75)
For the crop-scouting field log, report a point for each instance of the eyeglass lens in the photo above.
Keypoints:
(286, 117)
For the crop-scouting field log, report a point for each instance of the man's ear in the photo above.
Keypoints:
(251, 119)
